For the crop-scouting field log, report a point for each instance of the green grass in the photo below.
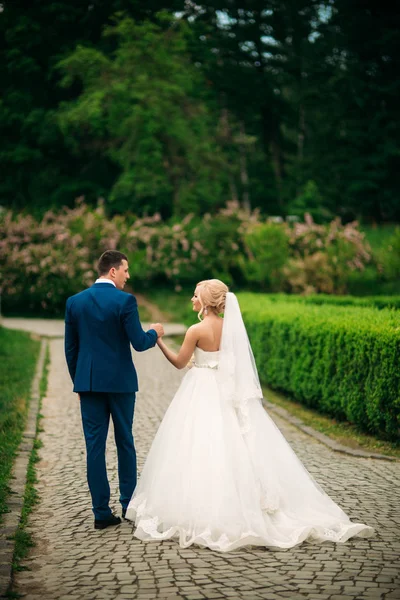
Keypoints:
(43, 380)
(23, 539)
(144, 313)
(175, 305)
(18, 357)
(340, 431)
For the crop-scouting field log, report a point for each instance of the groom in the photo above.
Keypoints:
(100, 324)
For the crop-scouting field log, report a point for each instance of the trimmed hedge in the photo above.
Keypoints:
(318, 299)
(342, 361)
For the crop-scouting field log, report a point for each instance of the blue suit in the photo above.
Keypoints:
(100, 325)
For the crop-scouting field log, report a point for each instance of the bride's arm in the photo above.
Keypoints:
(181, 359)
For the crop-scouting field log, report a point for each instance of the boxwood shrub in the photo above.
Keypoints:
(341, 360)
(368, 301)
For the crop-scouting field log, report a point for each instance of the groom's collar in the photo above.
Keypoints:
(104, 280)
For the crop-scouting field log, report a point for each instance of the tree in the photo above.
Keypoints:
(37, 167)
(256, 53)
(143, 108)
(356, 127)
(317, 84)
(258, 98)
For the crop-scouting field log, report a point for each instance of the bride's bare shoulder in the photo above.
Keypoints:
(206, 326)
(196, 328)
(207, 329)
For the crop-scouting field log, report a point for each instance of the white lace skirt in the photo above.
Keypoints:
(207, 482)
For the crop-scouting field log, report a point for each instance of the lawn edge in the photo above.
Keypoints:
(18, 480)
(321, 437)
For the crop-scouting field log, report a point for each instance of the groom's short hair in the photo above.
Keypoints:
(110, 259)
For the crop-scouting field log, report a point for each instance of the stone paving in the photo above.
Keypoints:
(72, 561)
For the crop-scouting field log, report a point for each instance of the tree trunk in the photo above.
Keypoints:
(244, 176)
(300, 146)
(226, 138)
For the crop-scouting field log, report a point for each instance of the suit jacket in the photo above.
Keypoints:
(100, 324)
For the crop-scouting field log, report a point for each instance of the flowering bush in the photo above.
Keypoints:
(323, 256)
(43, 262)
(186, 251)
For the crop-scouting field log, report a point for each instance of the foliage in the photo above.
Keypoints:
(355, 125)
(343, 361)
(366, 301)
(310, 201)
(324, 256)
(284, 106)
(378, 236)
(389, 258)
(18, 355)
(54, 255)
(149, 119)
(44, 261)
(382, 274)
(38, 168)
(177, 306)
(267, 253)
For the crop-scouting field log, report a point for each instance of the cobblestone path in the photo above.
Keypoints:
(72, 561)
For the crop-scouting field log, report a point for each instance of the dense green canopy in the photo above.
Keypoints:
(180, 106)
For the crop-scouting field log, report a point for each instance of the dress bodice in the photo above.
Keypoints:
(206, 360)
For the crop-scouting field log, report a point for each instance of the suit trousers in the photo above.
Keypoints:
(96, 409)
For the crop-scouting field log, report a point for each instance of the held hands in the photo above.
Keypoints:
(158, 328)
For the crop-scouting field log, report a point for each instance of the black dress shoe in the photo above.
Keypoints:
(103, 523)
(123, 513)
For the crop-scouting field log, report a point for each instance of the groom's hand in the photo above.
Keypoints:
(158, 328)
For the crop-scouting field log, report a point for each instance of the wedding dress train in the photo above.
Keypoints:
(219, 472)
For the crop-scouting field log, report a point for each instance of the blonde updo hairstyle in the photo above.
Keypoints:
(212, 296)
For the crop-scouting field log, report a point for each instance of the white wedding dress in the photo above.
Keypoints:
(219, 472)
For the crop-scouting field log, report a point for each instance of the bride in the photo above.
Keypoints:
(219, 473)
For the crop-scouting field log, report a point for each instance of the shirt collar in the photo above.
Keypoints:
(104, 280)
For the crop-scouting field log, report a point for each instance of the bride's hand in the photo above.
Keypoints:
(158, 328)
